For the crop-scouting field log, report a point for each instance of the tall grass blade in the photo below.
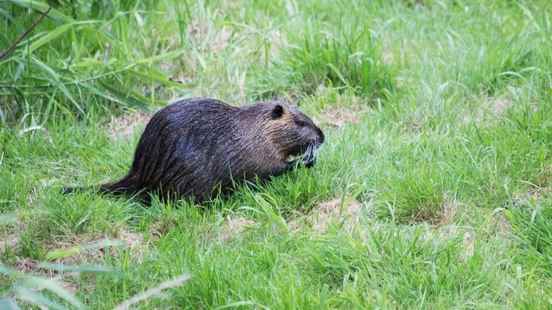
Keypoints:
(54, 287)
(8, 304)
(43, 7)
(153, 292)
(36, 298)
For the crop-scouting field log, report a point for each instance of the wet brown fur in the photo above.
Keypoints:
(192, 148)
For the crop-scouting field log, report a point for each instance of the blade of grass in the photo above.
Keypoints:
(35, 298)
(42, 6)
(152, 292)
(54, 34)
(54, 287)
(57, 82)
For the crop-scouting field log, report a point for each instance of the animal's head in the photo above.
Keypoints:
(293, 132)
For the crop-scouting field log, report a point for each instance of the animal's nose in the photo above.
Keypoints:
(320, 136)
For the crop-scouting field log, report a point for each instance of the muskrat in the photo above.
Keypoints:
(194, 147)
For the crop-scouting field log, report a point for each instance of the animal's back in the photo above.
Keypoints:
(182, 145)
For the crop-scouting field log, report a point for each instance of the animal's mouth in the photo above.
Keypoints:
(306, 154)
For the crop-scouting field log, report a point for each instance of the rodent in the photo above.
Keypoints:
(195, 147)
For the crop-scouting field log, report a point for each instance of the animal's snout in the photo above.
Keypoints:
(320, 139)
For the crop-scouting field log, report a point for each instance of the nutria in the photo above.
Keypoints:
(196, 147)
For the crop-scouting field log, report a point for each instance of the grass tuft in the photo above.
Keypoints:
(345, 56)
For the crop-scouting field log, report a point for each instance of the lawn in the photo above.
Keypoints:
(433, 188)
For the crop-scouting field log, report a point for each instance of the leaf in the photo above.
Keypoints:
(20, 69)
(164, 56)
(5, 270)
(8, 218)
(242, 303)
(54, 34)
(104, 243)
(50, 36)
(62, 253)
(56, 81)
(43, 7)
(7, 16)
(54, 287)
(129, 97)
(104, 94)
(35, 298)
(153, 292)
(8, 304)
(156, 76)
(76, 268)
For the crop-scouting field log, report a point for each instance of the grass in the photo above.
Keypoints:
(448, 155)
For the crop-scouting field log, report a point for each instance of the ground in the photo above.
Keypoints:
(433, 189)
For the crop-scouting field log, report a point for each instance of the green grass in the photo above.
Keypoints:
(449, 156)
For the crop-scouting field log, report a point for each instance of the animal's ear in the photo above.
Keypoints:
(277, 111)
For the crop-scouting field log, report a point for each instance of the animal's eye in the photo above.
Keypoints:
(300, 123)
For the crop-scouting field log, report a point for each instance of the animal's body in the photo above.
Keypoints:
(192, 148)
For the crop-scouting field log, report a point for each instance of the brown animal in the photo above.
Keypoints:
(196, 147)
